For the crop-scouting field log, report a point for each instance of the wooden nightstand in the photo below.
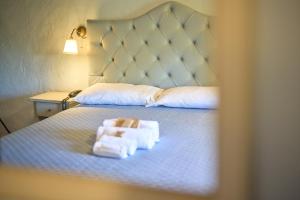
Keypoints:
(50, 103)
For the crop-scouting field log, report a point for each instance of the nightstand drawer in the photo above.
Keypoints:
(44, 109)
(50, 103)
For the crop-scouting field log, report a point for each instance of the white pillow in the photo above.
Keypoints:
(188, 97)
(118, 94)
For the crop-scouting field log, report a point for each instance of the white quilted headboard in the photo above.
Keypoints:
(171, 45)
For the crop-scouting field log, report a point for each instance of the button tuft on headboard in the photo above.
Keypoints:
(171, 9)
(162, 47)
(206, 59)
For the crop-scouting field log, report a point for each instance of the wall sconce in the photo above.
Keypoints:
(71, 43)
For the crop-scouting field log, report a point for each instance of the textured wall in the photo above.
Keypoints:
(32, 37)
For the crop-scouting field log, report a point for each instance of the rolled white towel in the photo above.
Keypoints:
(153, 125)
(100, 132)
(131, 144)
(105, 147)
(142, 136)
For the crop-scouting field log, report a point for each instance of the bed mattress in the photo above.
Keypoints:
(185, 159)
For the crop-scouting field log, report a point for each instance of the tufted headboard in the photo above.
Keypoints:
(171, 45)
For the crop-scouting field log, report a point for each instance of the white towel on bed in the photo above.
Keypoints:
(153, 125)
(109, 147)
(142, 136)
(131, 145)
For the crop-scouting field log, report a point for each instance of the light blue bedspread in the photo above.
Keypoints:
(185, 159)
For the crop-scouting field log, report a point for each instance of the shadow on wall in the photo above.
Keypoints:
(22, 113)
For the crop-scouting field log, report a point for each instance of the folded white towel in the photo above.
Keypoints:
(153, 125)
(106, 147)
(131, 145)
(142, 136)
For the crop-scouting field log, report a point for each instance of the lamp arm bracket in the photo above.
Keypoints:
(71, 36)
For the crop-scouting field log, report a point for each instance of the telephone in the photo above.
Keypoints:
(74, 93)
(70, 95)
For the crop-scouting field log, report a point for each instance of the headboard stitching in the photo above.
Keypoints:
(171, 45)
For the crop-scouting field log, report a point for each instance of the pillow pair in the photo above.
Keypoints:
(128, 94)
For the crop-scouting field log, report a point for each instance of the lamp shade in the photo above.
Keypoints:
(71, 47)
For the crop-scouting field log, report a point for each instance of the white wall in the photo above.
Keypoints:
(277, 114)
(32, 36)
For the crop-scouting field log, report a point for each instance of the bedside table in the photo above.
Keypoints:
(50, 103)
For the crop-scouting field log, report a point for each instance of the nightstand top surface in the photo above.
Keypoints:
(55, 97)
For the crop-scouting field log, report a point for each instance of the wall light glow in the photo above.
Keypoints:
(71, 47)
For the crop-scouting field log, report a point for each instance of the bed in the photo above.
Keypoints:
(161, 48)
